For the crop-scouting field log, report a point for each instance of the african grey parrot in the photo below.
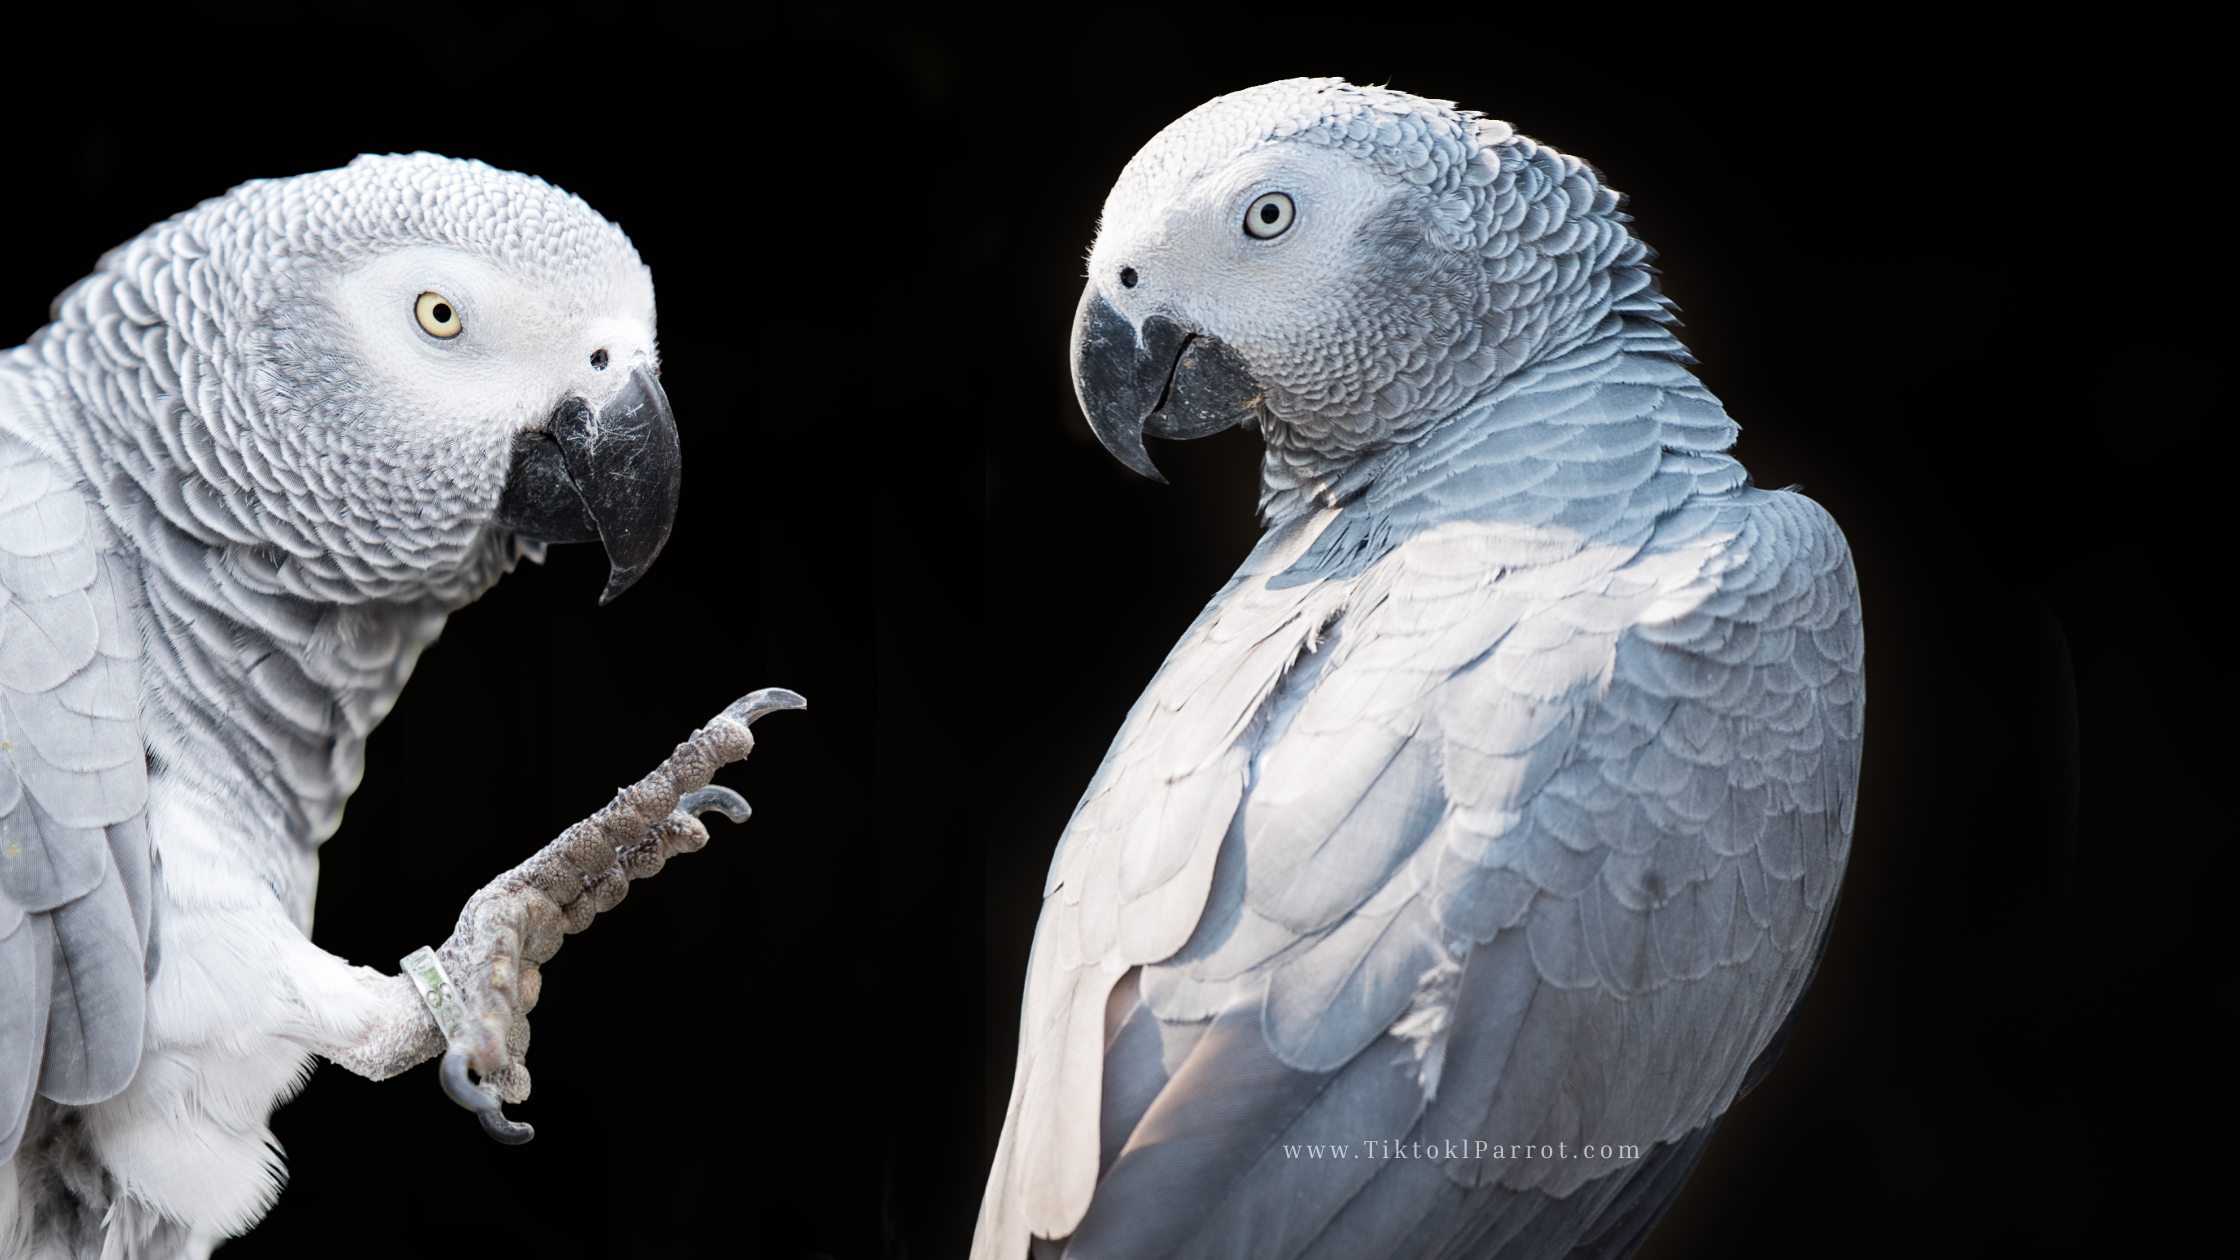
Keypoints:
(253, 463)
(1467, 857)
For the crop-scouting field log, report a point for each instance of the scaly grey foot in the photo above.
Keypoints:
(516, 923)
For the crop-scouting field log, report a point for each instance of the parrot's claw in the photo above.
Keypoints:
(756, 704)
(507, 1132)
(480, 1101)
(516, 923)
(461, 1088)
(720, 799)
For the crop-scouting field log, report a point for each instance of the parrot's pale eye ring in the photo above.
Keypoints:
(438, 317)
(1269, 215)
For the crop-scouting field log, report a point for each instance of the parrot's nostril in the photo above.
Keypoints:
(599, 360)
(1127, 277)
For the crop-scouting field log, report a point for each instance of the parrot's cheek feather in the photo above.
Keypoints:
(609, 473)
(1165, 380)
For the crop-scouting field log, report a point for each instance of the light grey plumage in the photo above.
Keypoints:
(1501, 797)
(240, 491)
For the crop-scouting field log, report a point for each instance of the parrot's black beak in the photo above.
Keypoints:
(609, 474)
(1169, 381)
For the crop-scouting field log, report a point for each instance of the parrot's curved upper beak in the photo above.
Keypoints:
(1167, 380)
(609, 473)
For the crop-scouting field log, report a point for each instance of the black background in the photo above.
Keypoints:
(1909, 258)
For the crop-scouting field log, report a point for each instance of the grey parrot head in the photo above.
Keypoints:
(397, 377)
(1340, 266)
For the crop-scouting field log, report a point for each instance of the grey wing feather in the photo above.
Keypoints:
(26, 959)
(76, 858)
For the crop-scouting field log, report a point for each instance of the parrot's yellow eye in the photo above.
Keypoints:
(1269, 215)
(438, 317)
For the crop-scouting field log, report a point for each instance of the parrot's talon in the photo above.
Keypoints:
(502, 1130)
(721, 800)
(754, 705)
(462, 1090)
(484, 1104)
